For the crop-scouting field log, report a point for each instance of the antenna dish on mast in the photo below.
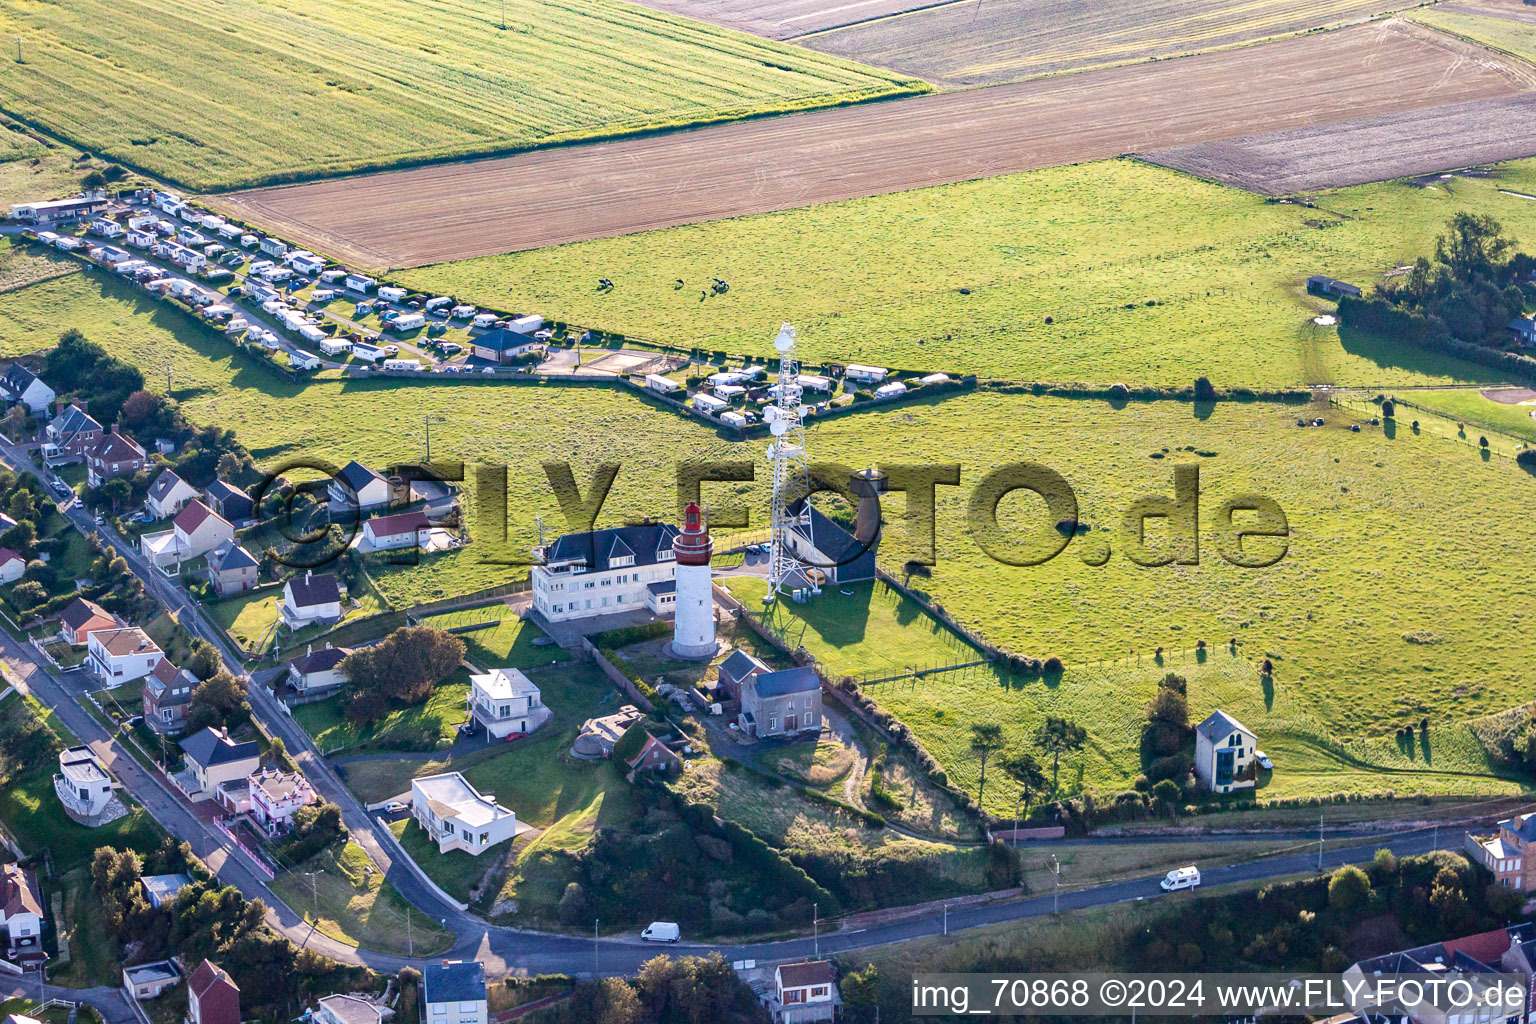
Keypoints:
(786, 338)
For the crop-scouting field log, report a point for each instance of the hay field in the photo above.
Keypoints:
(432, 214)
(1506, 24)
(969, 43)
(785, 19)
(1088, 246)
(225, 93)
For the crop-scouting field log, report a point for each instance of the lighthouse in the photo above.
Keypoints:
(693, 625)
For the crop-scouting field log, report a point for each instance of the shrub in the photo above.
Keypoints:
(1204, 390)
(1388, 409)
(1348, 889)
(1527, 458)
(1119, 392)
(1052, 665)
(1482, 442)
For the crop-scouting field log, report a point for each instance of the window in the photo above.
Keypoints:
(773, 723)
(819, 992)
(794, 995)
(485, 837)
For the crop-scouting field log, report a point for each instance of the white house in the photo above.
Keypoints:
(357, 489)
(1224, 753)
(196, 530)
(317, 671)
(506, 703)
(340, 1009)
(309, 599)
(168, 494)
(804, 992)
(662, 385)
(305, 262)
(122, 655)
(149, 981)
(82, 785)
(865, 374)
(214, 759)
(457, 816)
(161, 890)
(12, 566)
(359, 283)
(402, 530)
(20, 385)
(891, 390)
(708, 403)
(276, 796)
(602, 572)
(21, 909)
(453, 992)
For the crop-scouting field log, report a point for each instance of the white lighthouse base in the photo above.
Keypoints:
(694, 652)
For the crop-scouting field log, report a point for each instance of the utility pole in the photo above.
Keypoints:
(816, 927)
(595, 923)
(1056, 887)
(1320, 841)
(410, 946)
(946, 919)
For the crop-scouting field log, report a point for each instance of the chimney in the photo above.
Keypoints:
(310, 649)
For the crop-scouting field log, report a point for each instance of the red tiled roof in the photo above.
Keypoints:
(1484, 947)
(193, 516)
(402, 522)
(18, 891)
(6, 555)
(812, 972)
(81, 612)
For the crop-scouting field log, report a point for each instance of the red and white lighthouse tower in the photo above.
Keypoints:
(693, 624)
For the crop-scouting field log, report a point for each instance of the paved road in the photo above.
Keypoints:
(109, 1002)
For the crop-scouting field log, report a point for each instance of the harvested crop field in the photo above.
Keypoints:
(968, 43)
(1365, 148)
(784, 19)
(433, 214)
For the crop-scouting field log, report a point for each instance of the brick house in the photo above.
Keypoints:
(80, 619)
(1506, 853)
(212, 996)
(167, 696)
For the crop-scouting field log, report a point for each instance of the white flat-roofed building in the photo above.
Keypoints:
(457, 816)
(341, 1009)
(506, 703)
(602, 572)
(82, 785)
(865, 374)
(149, 981)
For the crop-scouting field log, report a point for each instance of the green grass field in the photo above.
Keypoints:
(1091, 246)
(358, 907)
(509, 643)
(218, 94)
(1470, 407)
(430, 725)
(1516, 37)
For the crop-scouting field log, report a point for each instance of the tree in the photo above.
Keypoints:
(1024, 769)
(1348, 889)
(1473, 244)
(1448, 899)
(1167, 794)
(861, 994)
(573, 907)
(20, 506)
(1057, 736)
(28, 593)
(218, 702)
(148, 415)
(986, 739)
(405, 665)
(316, 827)
(116, 492)
(204, 661)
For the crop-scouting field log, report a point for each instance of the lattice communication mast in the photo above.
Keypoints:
(791, 469)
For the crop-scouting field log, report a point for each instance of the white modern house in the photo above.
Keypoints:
(357, 489)
(506, 703)
(82, 785)
(457, 816)
(342, 1009)
(1224, 753)
(582, 575)
(168, 495)
(19, 385)
(453, 992)
(149, 981)
(196, 530)
(119, 656)
(21, 911)
(276, 797)
(309, 599)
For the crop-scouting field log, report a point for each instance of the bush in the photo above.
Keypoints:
(1527, 458)
(1348, 889)
(1119, 392)
(1204, 390)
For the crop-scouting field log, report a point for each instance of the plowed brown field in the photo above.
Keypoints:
(454, 211)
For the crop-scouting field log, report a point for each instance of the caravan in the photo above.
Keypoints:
(1181, 878)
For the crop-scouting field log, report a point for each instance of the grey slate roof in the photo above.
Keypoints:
(801, 679)
(74, 420)
(309, 590)
(453, 981)
(663, 587)
(1219, 725)
(503, 340)
(320, 661)
(853, 560)
(210, 748)
(229, 555)
(235, 502)
(645, 542)
(357, 476)
(739, 664)
(16, 379)
(164, 484)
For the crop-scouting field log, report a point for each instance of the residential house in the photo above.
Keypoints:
(168, 494)
(80, 619)
(1319, 284)
(503, 346)
(167, 697)
(453, 992)
(214, 759)
(113, 456)
(309, 599)
(782, 703)
(506, 703)
(161, 890)
(340, 1009)
(1467, 962)
(736, 668)
(120, 656)
(402, 530)
(804, 992)
(861, 374)
(317, 671)
(229, 501)
(82, 785)
(582, 575)
(357, 489)
(1507, 853)
(232, 569)
(212, 996)
(195, 531)
(652, 755)
(12, 566)
(1523, 328)
(20, 386)
(70, 435)
(276, 796)
(149, 981)
(457, 816)
(1224, 754)
(21, 911)
(598, 735)
(823, 545)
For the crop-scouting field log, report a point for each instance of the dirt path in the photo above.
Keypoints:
(842, 731)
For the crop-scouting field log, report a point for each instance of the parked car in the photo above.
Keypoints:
(1263, 760)
(450, 348)
(396, 807)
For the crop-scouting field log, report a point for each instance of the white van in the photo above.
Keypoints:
(437, 303)
(661, 931)
(1181, 878)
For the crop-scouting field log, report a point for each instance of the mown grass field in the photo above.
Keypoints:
(1470, 407)
(359, 907)
(430, 725)
(1148, 277)
(215, 94)
(963, 44)
(1517, 37)
(509, 642)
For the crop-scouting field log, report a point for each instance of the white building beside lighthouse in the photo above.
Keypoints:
(584, 575)
(693, 623)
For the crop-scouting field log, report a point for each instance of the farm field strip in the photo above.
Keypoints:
(785, 19)
(549, 197)
(961, 44)
(1364, 149)
(224, 93)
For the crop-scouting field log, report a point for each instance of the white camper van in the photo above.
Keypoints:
(1181, 878)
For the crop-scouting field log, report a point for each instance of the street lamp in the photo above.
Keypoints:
(1056, 889)
(595, 923)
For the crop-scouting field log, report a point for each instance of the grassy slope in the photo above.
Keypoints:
(426, 726)
(509, 642)
(358, 907)
(1077, 244)
(1516, 37)
(171, 86)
